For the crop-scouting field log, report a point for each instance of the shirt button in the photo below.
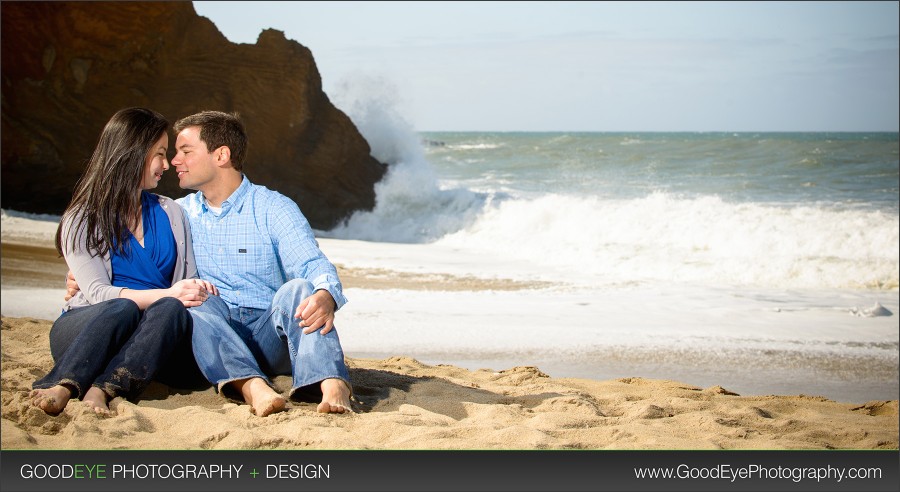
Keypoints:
(220, 250)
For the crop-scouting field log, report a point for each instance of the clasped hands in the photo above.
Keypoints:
(192, 292)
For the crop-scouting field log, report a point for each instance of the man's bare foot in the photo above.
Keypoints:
(98, 400)
(335, 397)
(51, 400)
(263, 400)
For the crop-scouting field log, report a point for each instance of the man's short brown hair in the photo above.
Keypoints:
(219, 129)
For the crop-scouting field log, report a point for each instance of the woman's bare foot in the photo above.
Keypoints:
(263, 400)
(51, 400)
(98, 400)
(335, 397)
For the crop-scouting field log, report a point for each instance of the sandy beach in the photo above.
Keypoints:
(403, 403)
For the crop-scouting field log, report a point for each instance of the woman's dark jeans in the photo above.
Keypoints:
(119, 349)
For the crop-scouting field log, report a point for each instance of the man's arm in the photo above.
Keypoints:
(299, 254)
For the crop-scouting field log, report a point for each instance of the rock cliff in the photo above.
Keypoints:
(68, 66)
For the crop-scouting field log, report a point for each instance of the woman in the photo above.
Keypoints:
(131, 252)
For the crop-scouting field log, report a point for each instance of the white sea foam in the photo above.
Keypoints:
(410, 206)
(691, 240)
(479, 146)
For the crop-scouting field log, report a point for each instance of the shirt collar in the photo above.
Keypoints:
(235, 201)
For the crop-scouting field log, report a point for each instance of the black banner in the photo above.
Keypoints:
(270, 471)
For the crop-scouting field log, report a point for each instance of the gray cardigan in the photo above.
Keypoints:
(94, 273)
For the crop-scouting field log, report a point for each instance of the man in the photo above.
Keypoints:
(277, 291)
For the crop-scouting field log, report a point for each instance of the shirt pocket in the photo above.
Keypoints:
(256, 261)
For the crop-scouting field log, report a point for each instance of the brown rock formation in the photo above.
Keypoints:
(68, 66)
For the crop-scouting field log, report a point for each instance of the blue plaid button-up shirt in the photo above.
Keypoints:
(258, 242)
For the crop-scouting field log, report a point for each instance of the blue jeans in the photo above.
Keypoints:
(119, 349)
(231, 344)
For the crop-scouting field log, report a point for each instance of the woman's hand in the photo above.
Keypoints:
(210, 288)
(192, 292)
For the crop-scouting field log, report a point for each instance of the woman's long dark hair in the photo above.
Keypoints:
(105, 201)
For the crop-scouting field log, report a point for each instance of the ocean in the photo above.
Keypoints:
(802, 210)
(767, 262)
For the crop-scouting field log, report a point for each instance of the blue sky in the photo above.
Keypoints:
(598, 66)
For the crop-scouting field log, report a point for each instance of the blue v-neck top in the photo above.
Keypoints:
(149, 266)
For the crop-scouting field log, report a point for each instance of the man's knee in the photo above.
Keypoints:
(293, 292)
(212, 306)
(209, 316)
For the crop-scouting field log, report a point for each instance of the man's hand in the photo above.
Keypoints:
(315, 312)
(71, 285)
